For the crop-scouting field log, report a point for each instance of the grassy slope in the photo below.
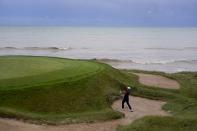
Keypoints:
(56, 97)
(181, 103)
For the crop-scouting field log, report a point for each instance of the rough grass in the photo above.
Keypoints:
(181, 103)
(156, 123)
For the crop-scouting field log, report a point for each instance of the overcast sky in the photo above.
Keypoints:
(99, 12)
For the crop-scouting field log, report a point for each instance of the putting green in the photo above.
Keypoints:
(20, 67)
(22, 71)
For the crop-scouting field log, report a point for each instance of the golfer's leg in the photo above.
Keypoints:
(123, 101)
(128, 104)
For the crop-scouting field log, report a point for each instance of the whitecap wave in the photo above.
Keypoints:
(147, 62)
(173, 49)
(167, 62)
(35, 48)
(113, 60)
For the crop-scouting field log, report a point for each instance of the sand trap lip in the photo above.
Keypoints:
(139, 105)
(157, 81)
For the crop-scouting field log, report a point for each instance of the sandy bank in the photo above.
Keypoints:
(142, 107)
(157, 81)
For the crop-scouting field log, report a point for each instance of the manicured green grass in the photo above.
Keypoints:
(24, 72)
(65, 91)
(181, 103)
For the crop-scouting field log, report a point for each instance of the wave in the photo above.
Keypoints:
(174, 49)
(46, 48)
(106, 60)
(11, 48)
(191, 48)
(35, 48)
(169, 62)
(113, 60)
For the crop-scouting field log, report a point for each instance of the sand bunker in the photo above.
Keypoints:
(141, 106)
(157, 81)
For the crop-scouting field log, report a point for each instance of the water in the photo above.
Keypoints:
(160, 49)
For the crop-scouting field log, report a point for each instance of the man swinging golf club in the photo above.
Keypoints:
(126, 93)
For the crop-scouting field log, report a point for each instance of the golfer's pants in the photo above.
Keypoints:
(127, 101)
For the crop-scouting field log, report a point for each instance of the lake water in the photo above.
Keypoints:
(160, 49)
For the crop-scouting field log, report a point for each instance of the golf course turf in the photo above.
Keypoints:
(24, 72)
(56, 90)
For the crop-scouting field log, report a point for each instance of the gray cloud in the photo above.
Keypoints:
(103, 12)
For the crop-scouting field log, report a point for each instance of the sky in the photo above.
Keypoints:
(178, 13)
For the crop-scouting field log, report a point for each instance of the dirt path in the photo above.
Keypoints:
(157, 81)
(142, 107)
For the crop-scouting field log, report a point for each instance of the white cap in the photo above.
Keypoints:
(128, 87)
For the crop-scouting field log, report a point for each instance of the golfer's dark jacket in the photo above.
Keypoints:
(126, 95)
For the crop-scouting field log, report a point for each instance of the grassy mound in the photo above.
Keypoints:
(55, 90)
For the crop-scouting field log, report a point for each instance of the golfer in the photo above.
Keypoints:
(126, 93)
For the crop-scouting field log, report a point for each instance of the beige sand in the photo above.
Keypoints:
(157, 81)
(142, 107)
